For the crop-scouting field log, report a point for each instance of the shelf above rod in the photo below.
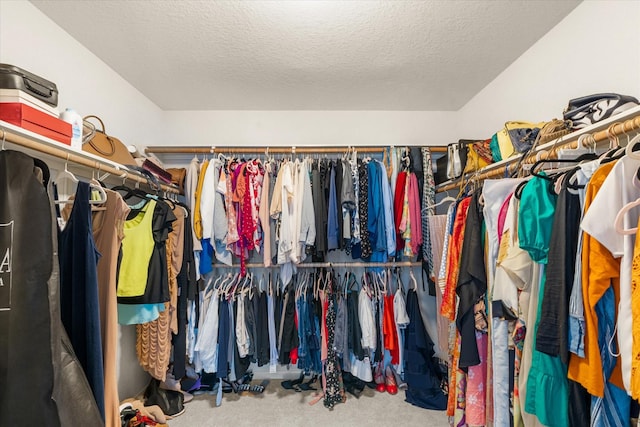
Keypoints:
(615, 129)
(69, 155)
(272, 150)
(330, 265)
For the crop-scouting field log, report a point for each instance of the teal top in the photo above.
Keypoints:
(535, 218)
(547, 388)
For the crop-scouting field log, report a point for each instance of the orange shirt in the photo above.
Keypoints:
(600, 270)
(448, 306)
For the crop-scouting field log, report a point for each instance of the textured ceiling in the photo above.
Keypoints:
(307, 55)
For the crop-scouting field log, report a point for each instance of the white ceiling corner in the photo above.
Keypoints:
(307, 55)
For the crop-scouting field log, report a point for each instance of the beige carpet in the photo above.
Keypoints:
(280, 407)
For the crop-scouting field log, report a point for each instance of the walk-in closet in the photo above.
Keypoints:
(340, 213)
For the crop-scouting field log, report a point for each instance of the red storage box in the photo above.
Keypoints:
(36, 121)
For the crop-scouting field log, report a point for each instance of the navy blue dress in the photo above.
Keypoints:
(79, 305)
(421, 373)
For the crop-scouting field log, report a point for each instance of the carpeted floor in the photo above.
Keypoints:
(280, 407)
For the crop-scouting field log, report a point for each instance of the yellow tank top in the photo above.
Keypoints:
(137, 247)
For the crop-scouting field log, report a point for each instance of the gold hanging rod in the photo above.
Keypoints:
(548, 151)
(70, 156)
(330, 265)
(272, 150)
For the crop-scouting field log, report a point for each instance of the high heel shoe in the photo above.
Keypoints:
(402, 385)
(390, 379)
(378, 377)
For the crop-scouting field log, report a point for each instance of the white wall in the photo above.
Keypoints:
(32, 41)
(595, 49)
(315, 128)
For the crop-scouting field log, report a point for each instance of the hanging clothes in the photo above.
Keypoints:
(187, 284)
(190, 188)
(363, 205)
(421, 374)
(389, 330)
(548, 375)
(79, 302)
(617, 191)
(31, 312)
(108, 234)
(453, 259)
(334, 391)
(600, 270)
(472, 283)
(153, 339)
(427, 211)
(496, 194)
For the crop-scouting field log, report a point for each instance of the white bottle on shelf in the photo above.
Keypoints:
(71, 116)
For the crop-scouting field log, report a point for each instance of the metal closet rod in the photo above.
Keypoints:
(272, 150)
(548, 151)
(70, 156)
(330, 265)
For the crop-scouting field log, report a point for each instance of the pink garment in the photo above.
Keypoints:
(502, 216)
(255, 185)
(414, 213)
(476, 392)
(245, 244)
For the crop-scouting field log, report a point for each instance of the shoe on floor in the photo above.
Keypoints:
(390, 381)
(171, 402)
(170, 383)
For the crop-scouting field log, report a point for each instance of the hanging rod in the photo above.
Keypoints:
(329, 265)
(551, 149)
(32, 143)
(271, 150)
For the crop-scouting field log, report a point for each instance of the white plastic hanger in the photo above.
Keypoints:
(619, 221)
(449, 199)
(581, 148)
(66, 174)
(94, 184)
(413, 280)
(629, 148)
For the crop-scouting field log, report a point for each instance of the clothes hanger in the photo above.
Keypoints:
(449, 199)
(629, 149)
(96, 186)
(581, 148)
(216, 284)
(619, 221)
(67, 175)
(221, 285)
(535, 168)
(413, 280)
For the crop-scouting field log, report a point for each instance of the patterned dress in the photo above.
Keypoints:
(334, 389)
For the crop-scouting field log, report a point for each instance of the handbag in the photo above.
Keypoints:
(517, 137)
(108, 147)
(478, 156)
(553, 130)
(591, 109)
(158, 171)
(178, 176)
(456, 159)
